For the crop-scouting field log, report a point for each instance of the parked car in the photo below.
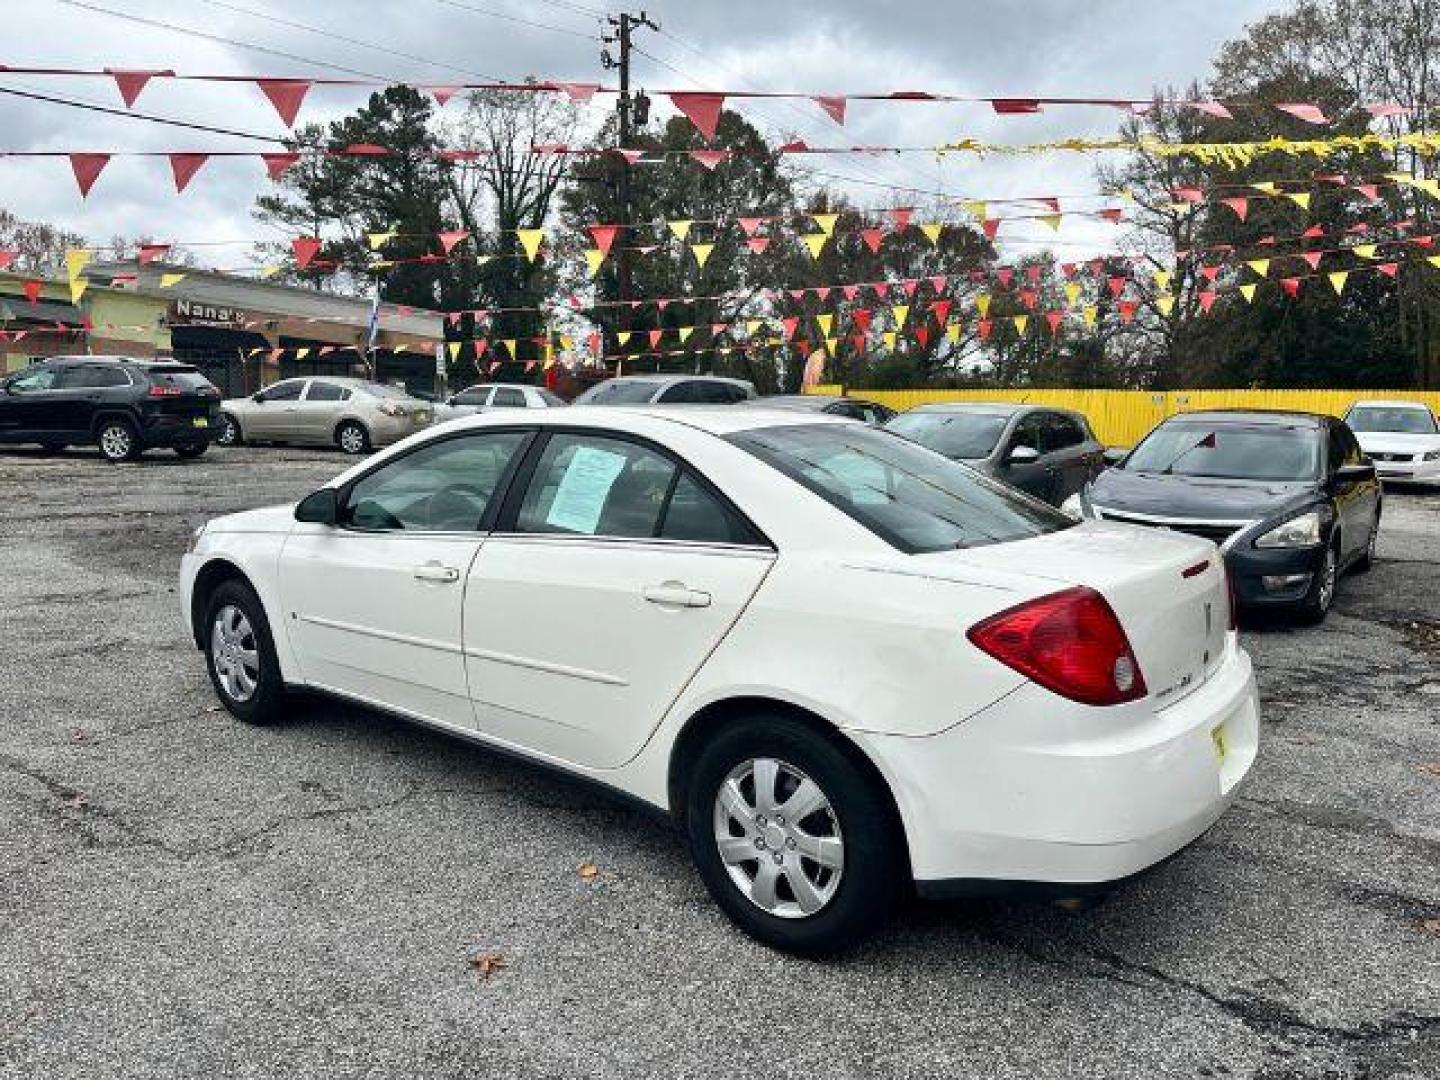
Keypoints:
(477, 399)
(1402, 438)
(122, 405)
(1289, 498)
(854, 408)
(853, 663)
(667, 390)
(352, 414)
(1050, 453)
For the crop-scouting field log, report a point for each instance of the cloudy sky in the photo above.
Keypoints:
(1103, 48)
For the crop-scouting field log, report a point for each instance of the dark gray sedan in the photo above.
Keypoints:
(1050, 453)
(871, 412)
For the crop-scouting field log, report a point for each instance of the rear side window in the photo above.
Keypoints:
(92, 377)
(620, 392)
(178, 378)
(910, 497)
(323, 391)
(472, 397)
(508, 397)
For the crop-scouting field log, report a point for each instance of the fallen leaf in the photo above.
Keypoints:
(75, 801)
(487, 963)
(1431, 767)
(588, 871)
(1429, 926)
(78, 736)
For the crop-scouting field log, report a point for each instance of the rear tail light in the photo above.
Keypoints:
(1070, 642)
(161, 390)
(389, 408)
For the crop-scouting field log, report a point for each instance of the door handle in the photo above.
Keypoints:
(434, 571)
(675, 594)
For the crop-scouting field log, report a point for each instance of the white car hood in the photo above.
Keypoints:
(269, 519)
(1396, 442)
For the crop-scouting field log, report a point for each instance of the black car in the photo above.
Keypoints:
(1048, 452)
(871, 412)
(1289, 498)
(121, 405)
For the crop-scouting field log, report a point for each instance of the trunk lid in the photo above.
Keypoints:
(1168, 590)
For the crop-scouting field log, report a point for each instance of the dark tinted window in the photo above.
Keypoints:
(283, 391)
(508, 397)
(324, 391)
(1411, 421)
(178, 377)
(474, 396)
(1061, 432)
(619, 392)
(956, 435)
(682, 393)
(1350, 451)
(695, 514)
(1030, 431)
(91, 376)
(849, 409)
(444, 486)
(907, 495)
(1232, 450)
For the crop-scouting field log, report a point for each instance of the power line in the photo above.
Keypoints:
(73, 103)
(515, 19)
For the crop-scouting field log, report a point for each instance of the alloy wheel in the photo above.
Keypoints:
(352, 439)
(779, 838)
(1328, 575)
(116, 442)
(229, 432)
(235, 652)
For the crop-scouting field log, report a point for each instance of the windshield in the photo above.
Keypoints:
(619, 392)
(1229, 451)
(1395, 418)
(908, 496)
(956, 435)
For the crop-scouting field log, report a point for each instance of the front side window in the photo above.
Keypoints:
(1393, 419)
(508, 397)
(907, 495)
(954, 434)
(1230, 451)
(1062, 432)
(590, 485)
(42, 378)
(283, 391)
(445, 486)
(324, 391)
(681, 393)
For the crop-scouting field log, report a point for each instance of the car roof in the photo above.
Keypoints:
(990, 408)
(1390, 403)
(1253, 417)
(714, 419)
(673, 378)
(158, 361)
(815, 402)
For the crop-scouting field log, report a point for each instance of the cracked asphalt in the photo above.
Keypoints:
(184, 896)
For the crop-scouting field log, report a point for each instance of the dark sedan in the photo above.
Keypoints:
(1289, 498)
(1048, 452)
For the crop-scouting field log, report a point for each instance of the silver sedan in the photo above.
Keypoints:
(353, 414)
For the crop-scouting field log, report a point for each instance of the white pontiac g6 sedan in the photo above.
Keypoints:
(842, 662)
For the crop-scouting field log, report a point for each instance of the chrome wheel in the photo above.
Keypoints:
(779, 838)
(116, 441)
(1328, 574)
(352, 439)
(235, 653)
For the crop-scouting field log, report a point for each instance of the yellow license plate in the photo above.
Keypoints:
(1217, 736)
(201, 421)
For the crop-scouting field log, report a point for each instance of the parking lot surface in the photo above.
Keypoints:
(181, 895)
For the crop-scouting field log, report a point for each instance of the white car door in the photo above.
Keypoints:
(608, 581)
(373, 604)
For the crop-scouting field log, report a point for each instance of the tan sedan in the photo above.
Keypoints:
(352, 414)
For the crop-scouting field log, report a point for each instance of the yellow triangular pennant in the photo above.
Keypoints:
(889, 338)
(509, 344)
(530, 240)
(301, 354)
(825, 222)
(825, 322)
(681, 229)
(594, 257)
(702, 252)
(1021, 322)
(623, 337)
(453, 348)
(953, 333)
(1091, 313)
(269, 271)
(1433, 260)
(978, 208)
(167, 280)
(1299, 198)
(379, 239)
(1260, 266)
(1338, 279)
(1266, 187)
(1248, 291)
(752, 326)
(1053, 220)
(900, 312)
(1165, 303)
(1072, 291)
(815, 243)
(76, 259)
(932, 232)
(1365, 251)
(77, 289)
(567, 342)
(1162, 278)
(982, 304)
(685, 332)
(830, 344)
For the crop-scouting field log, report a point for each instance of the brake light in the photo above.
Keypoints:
(162, 390)
(1070, 642)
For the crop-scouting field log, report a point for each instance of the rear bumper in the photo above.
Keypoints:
(178, 430)
(1035, 789)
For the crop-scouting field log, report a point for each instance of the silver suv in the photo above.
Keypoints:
(352, 414)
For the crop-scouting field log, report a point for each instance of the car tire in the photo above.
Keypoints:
(240, 654)
(352, 438)
(1317, 602)
(117, 440)
(192, 450)
(230, 434)
(1367, 560)
(852, 885)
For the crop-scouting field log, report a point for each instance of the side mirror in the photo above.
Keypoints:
(319, 508)
(1023, 455)
(1347, 474)
(1113, 455)
(258, 397)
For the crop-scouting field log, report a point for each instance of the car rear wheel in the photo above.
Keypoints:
(229, 431)
(792, 838)
(118, 441)
(240, 654)
(192, 450)
(352, 438)
(1316, 604)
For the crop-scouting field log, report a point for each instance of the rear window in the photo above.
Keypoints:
(1229, 451)
(178, 376)
(956, 435)
(909, 496)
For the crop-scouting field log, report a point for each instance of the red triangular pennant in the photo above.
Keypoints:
(750, 224)
(939, 282)
(287, 95)
(276, 164)
(1207, 300)
(710, 158)
(922, 335)
(1313, 258)
(1311, 114)
(655, 336)
(702, 110)
(1004, 275)
(305, 249)
(861, 318)
(1210, 273)
(1239, 204)
(900, 217)
(834, 106)
(1033, 271)
(1117, 285)
(1291, 285)
(758, 244)
(990, 227)
(32, 290)
(604, 236)
(443, 94)
(941, 310)
(1054, 318)
(450, 238)
(880, 289)
(1113, 214)
(984, 326)
(579, 93)
(7, 258)
(1389, 269)
(87, 169)
(872, 238)
(1013, 106)
(1028, 298)
(130, 83)
(148, 253)
(184, 167)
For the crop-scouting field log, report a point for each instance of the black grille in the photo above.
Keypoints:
(1217, 533)
(1391, 457)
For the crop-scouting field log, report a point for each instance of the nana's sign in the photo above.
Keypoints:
(196, 312)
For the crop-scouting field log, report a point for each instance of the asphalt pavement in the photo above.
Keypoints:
(349, 895)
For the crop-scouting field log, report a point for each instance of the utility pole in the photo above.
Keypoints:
(630, 110)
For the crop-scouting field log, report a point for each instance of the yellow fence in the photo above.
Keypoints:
(1121, 417)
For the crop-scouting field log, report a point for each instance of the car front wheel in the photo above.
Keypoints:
(118, 441)
(240, 654)
(1316, 604)
(794, 840)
